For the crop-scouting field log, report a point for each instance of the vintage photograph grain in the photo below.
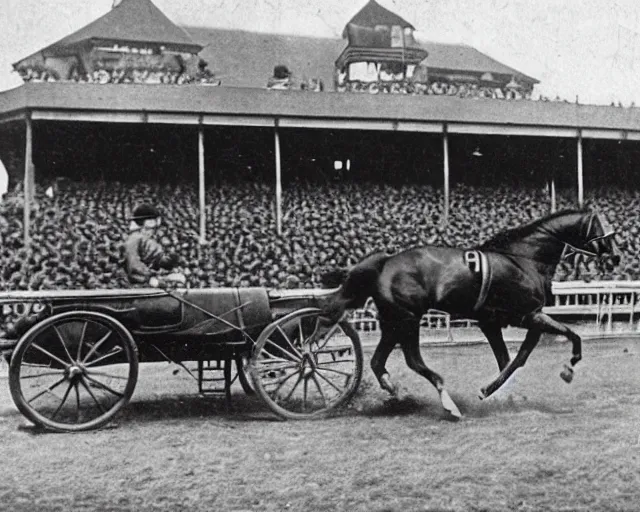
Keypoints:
(265, 255)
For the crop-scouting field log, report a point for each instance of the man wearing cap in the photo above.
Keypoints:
(144, 258)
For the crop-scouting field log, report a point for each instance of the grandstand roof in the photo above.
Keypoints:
(463, 58)
(246, 59)
(192, 104)
(373, 14)
(132, 21)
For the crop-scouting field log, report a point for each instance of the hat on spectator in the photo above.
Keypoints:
(144, 212)
(281, 72)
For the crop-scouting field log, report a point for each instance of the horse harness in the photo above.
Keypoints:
(478, 264)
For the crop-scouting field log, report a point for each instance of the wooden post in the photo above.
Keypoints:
(278, 181)
(580, 172)
(445, 147)
(29, 179)
(552, 193)
(201, 188)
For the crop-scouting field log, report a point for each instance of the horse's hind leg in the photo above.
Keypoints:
(410, 343)
(380, 356)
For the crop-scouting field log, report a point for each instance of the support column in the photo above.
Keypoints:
(29, 181)
(278, 181)
(552, 193)
(580, 172)
(201, 188)
(445, 148)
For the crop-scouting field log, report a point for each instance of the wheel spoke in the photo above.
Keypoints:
(35, 365)
(327, 336)
(273, 358)
(320, 390)
(82, 334)
(77, 388)
(55, 358)
(105, 387)
(334, 370)
(46, 374)
(113, 352)
(305, 386)
(294, 386)
(97, 345)
(64, 345)
(292, 357)
(107, 375)
(283, 381)
(92, 396)
(281, 366)
(64, 399)
(48, 390)
(330, 383)
(284, 335)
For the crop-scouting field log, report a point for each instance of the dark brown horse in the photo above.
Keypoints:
(505, 281)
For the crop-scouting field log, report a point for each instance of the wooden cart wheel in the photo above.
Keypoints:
(73, 371)
(242, 363)
(300, 378)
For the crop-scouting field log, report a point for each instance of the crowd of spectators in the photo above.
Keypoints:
(125, 75)
(78, 232)
(459, 90)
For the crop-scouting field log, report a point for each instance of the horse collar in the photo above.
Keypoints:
(478, 263)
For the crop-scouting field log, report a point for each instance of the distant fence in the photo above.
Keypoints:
(605, 306)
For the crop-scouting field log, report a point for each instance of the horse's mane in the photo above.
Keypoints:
(509, 236)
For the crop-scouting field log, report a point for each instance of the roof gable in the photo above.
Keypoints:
(373, 14)
(460, 57)
(131, 21)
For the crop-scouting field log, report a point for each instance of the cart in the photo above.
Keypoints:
(74, 355)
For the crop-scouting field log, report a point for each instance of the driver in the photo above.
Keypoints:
(144, 258)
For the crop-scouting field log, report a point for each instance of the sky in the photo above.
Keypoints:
(584, 48)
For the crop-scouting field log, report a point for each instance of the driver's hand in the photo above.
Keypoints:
(177, 278)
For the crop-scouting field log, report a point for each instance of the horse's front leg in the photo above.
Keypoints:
(529, 343)
(538, 323)
(547, 324)
(493, 333)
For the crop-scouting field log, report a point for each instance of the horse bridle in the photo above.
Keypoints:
(607, 230)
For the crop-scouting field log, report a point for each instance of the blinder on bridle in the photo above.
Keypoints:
(592, 245)
(592, 240)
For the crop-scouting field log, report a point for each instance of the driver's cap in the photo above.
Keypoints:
(144, 212)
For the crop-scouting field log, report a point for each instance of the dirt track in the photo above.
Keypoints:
(539, 444)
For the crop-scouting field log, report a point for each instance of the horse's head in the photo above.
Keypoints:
(597, 237)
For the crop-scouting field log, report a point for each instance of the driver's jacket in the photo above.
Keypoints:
(143, 257)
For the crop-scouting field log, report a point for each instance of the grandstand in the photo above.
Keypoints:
(268, 188)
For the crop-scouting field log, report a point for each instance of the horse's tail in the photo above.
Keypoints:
(358, 285)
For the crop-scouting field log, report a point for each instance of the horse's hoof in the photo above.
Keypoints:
(387, 385)
(567, 374)
(483, 394)
(449, 405)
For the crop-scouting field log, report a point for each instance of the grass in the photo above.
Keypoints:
(537, 445)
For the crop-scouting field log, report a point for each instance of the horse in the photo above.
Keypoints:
(504, 281)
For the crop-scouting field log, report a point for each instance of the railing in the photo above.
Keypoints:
(601, 302)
